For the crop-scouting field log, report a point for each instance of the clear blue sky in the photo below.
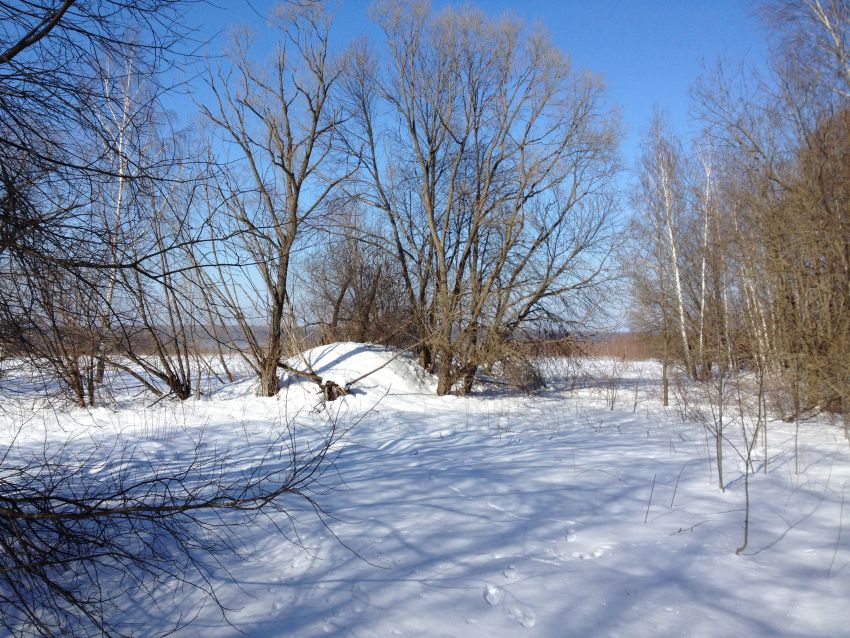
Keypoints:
(648, 51)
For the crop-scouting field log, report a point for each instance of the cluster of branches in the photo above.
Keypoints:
(742, 257)
(87, 534)
(461, 177)
(93, 203)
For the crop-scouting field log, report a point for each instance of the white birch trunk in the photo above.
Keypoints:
(707, 207)
(674, 258)
(122, 122)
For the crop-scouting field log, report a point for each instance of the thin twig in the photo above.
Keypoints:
(840, 524)
(678, 478)
(649, 503)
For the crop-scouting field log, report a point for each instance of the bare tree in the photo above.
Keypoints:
(153, 322)
(665, 198)
(355, 288)
(782, 137)
(655, 264)
(496, 185)
(283, 126)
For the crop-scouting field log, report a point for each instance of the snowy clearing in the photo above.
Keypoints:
(502, 514)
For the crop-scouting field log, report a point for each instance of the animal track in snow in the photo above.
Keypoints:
(510, 573)
(522, 616)
(596, 553)
(493, 594)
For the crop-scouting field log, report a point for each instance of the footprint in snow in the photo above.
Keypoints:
(596, 553)
(522, 616)
(510, 573)
(493, 595)
(570, 536)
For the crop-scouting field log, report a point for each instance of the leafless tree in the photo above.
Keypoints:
(153, 322)
(784, 138)
(355, 288)
(492, 167)
(283, 125)
(665, 202)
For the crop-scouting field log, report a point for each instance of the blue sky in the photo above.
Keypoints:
(649, 52)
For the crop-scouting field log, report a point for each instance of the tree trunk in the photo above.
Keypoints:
(665, 163)
(445, 378)
(718, 435)
(180, 388)
(269, 381)
(90, 381)
(680, 303)
(426, 358)
(468, 379)
(708, 207)
(101, 365)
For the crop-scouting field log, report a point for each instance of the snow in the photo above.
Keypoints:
(505, 514)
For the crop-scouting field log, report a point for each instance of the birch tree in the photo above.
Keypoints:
(782, 134)
(662, 200)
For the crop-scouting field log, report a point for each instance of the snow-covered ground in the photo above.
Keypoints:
(508, 515)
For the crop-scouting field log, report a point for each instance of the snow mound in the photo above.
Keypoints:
(383, 369)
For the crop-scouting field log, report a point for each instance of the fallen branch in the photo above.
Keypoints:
(349, 384)
(331, 390)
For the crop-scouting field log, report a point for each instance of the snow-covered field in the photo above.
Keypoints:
(507, 515)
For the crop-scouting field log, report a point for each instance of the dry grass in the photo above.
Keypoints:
(627, 346)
